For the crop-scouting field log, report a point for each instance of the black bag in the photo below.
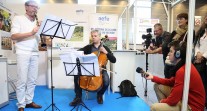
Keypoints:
(127, 89)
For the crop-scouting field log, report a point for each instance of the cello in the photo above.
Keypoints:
(94, 83)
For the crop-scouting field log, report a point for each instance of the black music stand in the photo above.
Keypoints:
(80, 66)
(55, 27)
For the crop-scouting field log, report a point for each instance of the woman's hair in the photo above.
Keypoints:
(203, 25)
(182, 15)
(200, 32)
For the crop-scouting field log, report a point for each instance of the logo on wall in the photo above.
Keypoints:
(79, 12)
(107, 24)
(103, 20)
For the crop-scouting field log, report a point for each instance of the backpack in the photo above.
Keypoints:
(127, 89)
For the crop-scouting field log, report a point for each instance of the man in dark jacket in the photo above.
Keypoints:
(161, 40)
(95, 46)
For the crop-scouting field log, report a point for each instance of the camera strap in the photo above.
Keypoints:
(185, 35)
(181, 42)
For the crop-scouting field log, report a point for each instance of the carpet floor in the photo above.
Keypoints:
(62, 97)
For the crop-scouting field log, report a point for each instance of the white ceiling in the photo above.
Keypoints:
(103, 6)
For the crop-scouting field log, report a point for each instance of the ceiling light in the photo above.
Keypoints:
(90, 2)
(38, 1)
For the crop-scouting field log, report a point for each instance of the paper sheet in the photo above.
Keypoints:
(69, 59)
(50, 27)
(90, 58)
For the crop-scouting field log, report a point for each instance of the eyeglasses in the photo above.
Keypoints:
(34, 6)
(157, 30)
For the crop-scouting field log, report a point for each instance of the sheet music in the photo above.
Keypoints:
(49, 26)
(70, 57)
(90, 58)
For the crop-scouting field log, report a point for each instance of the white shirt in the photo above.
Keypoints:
(21, 24)
(203, 46)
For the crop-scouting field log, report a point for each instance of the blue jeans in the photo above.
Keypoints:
(78, 90)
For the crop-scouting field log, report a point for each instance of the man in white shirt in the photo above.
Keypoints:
(23, 32)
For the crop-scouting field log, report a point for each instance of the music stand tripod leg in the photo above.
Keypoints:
(48, 107)
(145, 92)
(52, 87)
(55, 29)
(78, 105)
(53, 106)
(84, 105)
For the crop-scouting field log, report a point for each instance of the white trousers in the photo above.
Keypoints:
(27, 72)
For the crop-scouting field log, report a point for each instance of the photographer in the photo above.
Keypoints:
(162, 39)
(169, 92)
(161, 36)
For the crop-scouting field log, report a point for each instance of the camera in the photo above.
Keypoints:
(147, 37)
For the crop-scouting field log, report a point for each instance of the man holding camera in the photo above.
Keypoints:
(160, 41)
(161, 35)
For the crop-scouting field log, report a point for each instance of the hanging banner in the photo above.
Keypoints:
(6, 42)
(5, 27)
(107, 24)
(143, 25)
(197, 20)
(5, 20)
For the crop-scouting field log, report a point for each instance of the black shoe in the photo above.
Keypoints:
(206, 105)
(100, 99)
(75, 102)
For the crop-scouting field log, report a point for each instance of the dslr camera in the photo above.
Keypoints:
(147, 37)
